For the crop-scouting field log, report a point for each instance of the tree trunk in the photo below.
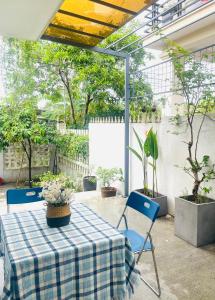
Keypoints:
(29, 173)
(30, 165)
(72, 107)
(66, 83)
(28, 152)
(88, 101)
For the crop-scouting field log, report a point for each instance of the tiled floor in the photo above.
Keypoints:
(186, 273)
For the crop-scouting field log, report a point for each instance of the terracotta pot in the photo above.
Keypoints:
(108, 192)
(58, 216)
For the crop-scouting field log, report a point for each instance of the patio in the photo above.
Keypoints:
(98, 117)
(185, 272)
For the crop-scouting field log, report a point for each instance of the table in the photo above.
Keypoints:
(88, 259)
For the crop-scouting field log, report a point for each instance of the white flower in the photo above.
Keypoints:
(55, 193)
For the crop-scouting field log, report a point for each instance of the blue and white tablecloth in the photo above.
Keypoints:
(88, 259)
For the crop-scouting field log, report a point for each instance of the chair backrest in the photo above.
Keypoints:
(21, 196)
(143, 204)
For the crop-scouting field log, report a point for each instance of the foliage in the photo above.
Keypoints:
(19, 123)
(74, 183)
(195, 83)
(148, 149)
(82, 81)
(108, 176)
(151, 151)
(72, 145)
(142, 157)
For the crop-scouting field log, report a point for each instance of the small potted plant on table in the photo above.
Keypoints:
(107, 177)
(57, 194)
(149, 150)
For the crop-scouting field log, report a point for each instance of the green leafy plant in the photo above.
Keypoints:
(46, 177)
(108, 176)
(20, 124)
(151, 151)
(72, 145)
(141, 157)
(195, 84)
(77, 79)
(147, 149)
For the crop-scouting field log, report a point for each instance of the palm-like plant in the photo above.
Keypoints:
(147, 149)
(151, 150)
(142, 158)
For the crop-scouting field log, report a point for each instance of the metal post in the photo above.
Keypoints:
(126, 150)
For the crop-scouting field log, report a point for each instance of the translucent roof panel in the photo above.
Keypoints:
(88, 22)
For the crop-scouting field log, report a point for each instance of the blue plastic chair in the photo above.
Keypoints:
(22, 196)
(139, 243)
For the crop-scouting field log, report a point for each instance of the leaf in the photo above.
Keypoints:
(147, 148)
(139, 140)
(150, 145)
(135, 153)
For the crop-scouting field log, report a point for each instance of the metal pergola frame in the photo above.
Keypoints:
(120, 54)
(126, 58)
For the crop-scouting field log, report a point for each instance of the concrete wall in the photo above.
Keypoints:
(107, 150)
(22, 175)
(42, 161)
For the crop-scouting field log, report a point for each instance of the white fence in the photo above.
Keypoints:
(73, 168)
(84, 132)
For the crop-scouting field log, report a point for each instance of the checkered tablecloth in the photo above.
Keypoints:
(88, 259)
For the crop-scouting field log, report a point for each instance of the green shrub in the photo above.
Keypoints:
(72, 145)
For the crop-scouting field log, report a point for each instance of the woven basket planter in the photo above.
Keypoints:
(58, 216)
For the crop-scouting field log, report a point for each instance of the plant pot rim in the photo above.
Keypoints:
(158, 195)
(108, 188)
(211, 201)
(52, 205)
(89, 176)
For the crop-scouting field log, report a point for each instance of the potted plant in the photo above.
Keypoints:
(107, 177)
(89, 182)
(149, 151)
(57, 194)
(195, 213)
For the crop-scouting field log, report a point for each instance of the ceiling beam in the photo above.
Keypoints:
(125, 10)
(90, 48)
(68, 13)
(76, 31)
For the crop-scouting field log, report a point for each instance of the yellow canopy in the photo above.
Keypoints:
(88, 22)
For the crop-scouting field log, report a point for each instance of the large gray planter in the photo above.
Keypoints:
(195, 223)
(161, 200)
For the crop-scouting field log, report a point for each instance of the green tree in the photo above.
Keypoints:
(19, 124)
(196, 84)
(55, 71)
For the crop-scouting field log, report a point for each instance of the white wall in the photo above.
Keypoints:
(107, 150)
(106, 146)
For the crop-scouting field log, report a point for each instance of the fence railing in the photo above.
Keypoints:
(164, 12)
(76, 167)
(141, 118)
(78, 131)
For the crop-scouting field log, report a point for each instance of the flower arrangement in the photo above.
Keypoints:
(57, 192)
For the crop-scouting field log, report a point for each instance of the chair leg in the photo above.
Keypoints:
(158, 290)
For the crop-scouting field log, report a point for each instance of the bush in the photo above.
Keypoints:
(74, 183)
(73, 145)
